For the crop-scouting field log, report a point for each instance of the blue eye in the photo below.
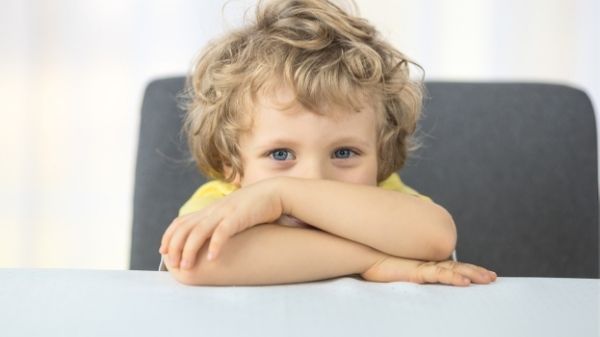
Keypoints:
(281, 154)
(343, 153)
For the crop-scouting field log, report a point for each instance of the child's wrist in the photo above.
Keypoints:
(285, 189)
(375, 258)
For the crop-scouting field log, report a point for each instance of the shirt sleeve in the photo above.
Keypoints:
(205, 195)
(394, 183)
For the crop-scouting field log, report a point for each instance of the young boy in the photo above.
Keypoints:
(302, 119)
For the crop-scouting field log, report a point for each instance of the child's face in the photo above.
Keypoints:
(295, 142)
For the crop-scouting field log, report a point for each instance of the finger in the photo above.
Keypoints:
(166, 238)
(475, 273)
(195, 240)
(483, 270)
(436, 273)
(168, 235)
(177, 243)
(472, 272)
(221, 234)
(226, 229)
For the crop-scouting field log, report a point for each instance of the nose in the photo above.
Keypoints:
(313, 169)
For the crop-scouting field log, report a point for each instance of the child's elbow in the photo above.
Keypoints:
(446, 240)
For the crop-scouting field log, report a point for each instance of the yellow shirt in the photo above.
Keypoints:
(216, 189)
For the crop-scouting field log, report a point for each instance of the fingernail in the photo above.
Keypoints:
(210, 256)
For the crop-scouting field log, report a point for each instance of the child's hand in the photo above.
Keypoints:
(391, 268)
(246, 207)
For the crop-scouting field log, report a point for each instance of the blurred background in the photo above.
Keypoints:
(72, 75)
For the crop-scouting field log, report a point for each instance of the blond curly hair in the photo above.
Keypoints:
(325, 55)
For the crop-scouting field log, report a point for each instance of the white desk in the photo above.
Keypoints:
(57, 302)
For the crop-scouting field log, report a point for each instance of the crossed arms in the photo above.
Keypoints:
(382, 235)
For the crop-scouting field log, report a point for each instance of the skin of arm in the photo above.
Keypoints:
(274, 254)
(394, 223)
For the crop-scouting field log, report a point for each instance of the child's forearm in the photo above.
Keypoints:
(394, 223)
(274, 254)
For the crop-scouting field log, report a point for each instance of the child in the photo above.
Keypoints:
(302, 119)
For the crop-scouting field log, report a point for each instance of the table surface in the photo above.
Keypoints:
(63, 302)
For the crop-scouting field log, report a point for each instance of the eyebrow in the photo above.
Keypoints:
(276, 142)
(351, 140)
(284, 142)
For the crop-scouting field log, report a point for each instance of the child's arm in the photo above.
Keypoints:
(391, 222)
(274, 254)
(395, 223)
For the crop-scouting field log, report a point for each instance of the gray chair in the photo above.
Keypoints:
(514, 163)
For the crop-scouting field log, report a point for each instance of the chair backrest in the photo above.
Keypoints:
(514, 163)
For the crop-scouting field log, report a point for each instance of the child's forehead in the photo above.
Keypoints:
(304, 129)
(283, 99)
(274, 119)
